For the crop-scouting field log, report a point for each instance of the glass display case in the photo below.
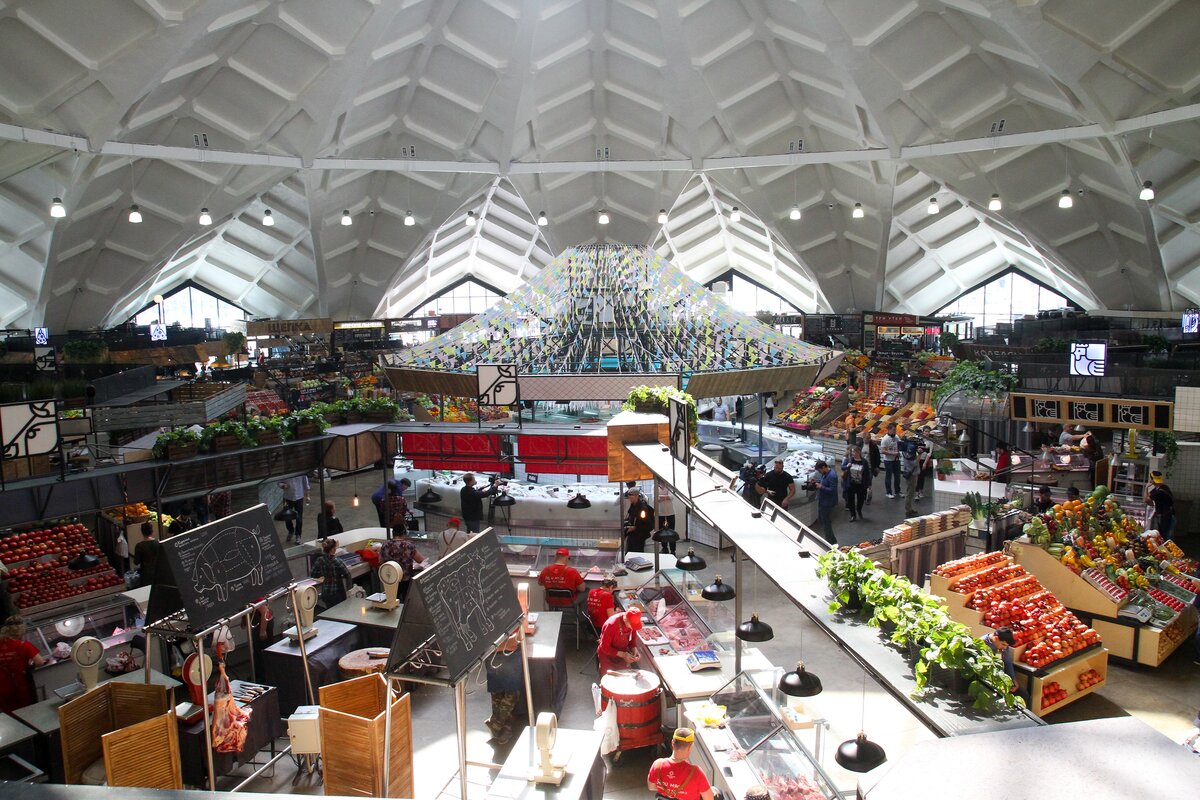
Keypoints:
(779, 760)
(587, 560)
(114, 620)
(520, 558)
(677, 618)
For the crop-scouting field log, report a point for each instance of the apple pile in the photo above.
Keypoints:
(1052, 693)
(1066, 636)
(969, 564)
(1009, 590)
(1170, 601)
(987, 577)
(1086, 679)
(37, 562)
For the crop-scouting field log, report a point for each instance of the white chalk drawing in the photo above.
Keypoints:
(230, 556)
(461, 595)
(29, 429)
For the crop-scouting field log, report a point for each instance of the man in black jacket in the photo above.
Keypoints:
(639, 522)
(471, 500)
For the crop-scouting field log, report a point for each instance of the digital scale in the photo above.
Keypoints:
(1138, 613)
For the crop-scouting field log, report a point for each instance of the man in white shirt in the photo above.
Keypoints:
(1069, 438)
(452, 537)
(295, 493)
(889, 454)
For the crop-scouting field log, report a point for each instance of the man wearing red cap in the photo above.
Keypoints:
(560, 575)
(617, 648)
(452, 537)
(675, 778)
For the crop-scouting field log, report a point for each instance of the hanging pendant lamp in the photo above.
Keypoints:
(860, 754)
(579, 501)
(800, 682)
(718, 591)
(665, 536)
(755, 630)
(504, 500)
(429, 498)
(691, 562)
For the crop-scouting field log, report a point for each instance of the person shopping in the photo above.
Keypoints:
(617, 648)
(332, 574)
(1002, 641)
(295, 496)
(405, 553)
(856, 472)
(889, 453)
(506, 685)
(1159, 495)
(666, 514)
(146, 555)
(330, 523)
(674, 777)
(911, 472)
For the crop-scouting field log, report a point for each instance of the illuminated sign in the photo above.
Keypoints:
(361, 325)
(41, 336)
(158, 332)
(1191, 320)
(289, 327)
(1088, 359)
(1154, 415)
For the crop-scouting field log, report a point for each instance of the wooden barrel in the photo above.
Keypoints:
(636, 693)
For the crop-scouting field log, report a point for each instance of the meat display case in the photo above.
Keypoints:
(775, 757)
(677, 618)
(591, 561)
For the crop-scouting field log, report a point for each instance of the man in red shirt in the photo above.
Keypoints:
(617, 648)
(674, 778)
(561, 576)
(600, 605)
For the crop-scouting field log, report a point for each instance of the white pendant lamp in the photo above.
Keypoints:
(57, 209)
(205, 217)
(470, 219)
(1065, 200)
(735, 215)
(347, 220)
(602, 217)
(543, 220)
(135, 214)
(662, 216)
(858, 212)
(932, 208)
(995, 204)
(1147, 192)
(409, 219)
(268, 220)
(794, 214)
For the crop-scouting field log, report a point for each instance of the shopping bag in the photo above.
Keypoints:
(606, 726)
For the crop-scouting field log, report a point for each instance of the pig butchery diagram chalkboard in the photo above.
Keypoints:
(222, 567)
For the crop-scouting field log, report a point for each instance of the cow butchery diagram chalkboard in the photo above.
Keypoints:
(222, 567)
(460, 606)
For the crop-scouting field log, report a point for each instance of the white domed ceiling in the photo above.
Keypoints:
(309, 107)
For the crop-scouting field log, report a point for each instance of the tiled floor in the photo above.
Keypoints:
(1166, 698)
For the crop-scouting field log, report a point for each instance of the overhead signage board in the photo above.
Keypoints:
(41, 336)
(1088, 359)
(290, 327)
(158, 332)
(45, 359)
(1147, 415)
(878, 318)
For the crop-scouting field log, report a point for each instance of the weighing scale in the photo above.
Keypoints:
(390, 574)
(87, 652)
(197, 684)
(306, 605)
(547, 770)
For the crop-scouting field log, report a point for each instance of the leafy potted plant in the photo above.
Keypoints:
(176, 445)
(306, 422)
(269, 430)
(81, 351)
(845, 573)
(221, 437)
(656, 400)
(378, 409)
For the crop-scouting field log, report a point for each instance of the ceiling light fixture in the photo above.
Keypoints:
(1065, 200)
(662, 216)
(735, 215)
(794, 214)
(1147, 193)
(57, 209)
(860, 754)
(347, 220)
(932, 208)
(718, 591)
(135, 214)
(268, 220)
(543, 220)
(470, 219)
(205, 217)
(579, 501)
(602, 217)
(409, 219)
(994, 204)
(691, 562)
(858, 212)
(755, 630)
(800, 682)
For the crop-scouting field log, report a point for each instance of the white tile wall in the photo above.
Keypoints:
(1187, 409)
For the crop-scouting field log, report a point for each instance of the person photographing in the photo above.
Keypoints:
(471, 500)
(639, 522)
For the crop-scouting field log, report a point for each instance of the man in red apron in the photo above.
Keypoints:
(674, 778)
(617, 648)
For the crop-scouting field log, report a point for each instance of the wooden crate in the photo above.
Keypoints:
(626, 428)
(1067, 673)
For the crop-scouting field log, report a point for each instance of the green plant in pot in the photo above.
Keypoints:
(845, 573)
(214, 430)
(180, 436)
(312, 414)
(277, 423)
(656, 400)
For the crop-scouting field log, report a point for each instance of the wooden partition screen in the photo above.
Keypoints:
(352, 718)
(145, 754)
(109, 707)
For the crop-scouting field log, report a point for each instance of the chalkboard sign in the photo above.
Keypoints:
(460, 606)
(220, 568)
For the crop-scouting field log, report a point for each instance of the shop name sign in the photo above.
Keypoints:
(1150, 415)
(289, 327)
(877, 318)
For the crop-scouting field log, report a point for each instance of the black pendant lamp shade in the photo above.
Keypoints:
(691, 562)
(859, 754)
(755, 630)
(579, 501)
(665, 536)
(504, 500)
(718, 591)
(429, 498)
(800, 683)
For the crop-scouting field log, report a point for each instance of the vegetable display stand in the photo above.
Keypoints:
(975, 597)
(1129, 639)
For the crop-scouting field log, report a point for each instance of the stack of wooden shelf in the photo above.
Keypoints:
(1077, 675)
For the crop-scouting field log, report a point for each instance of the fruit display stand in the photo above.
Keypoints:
(816, 407)
(39, 578)
(1128, 639)
(1008, 595)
